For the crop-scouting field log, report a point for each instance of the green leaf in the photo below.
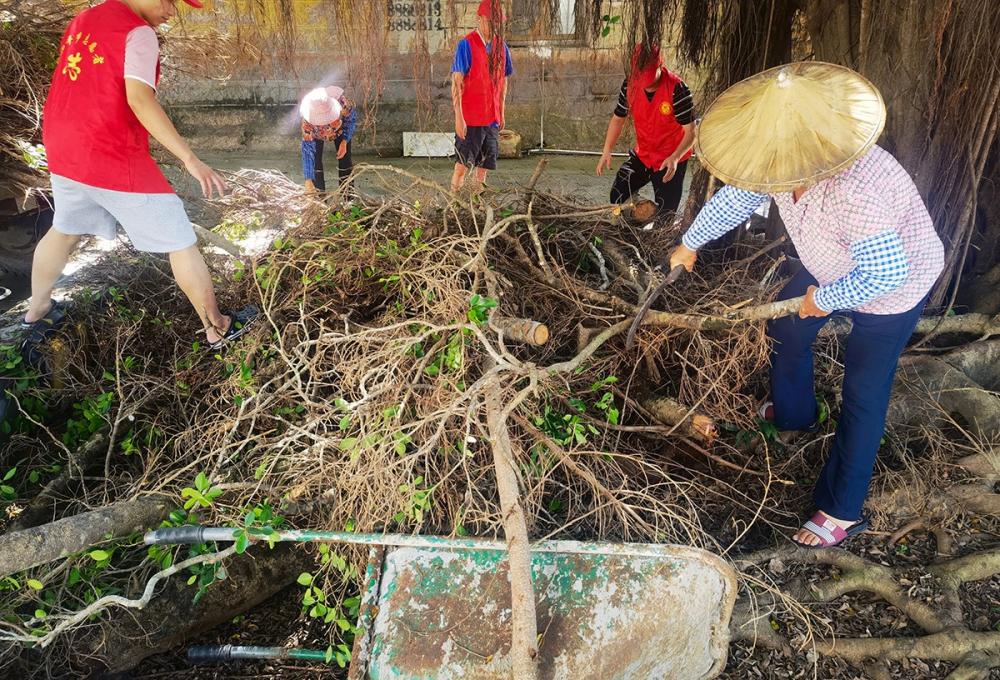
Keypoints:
(99, 555)
(305, 579)
(348, 443)
(10, 473)
(329, 654)
(40, 614)
(35, 584)
(242, 543)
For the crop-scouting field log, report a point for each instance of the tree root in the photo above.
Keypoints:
(20, 550)
(950, 645)
(173, 617)
(947, 637)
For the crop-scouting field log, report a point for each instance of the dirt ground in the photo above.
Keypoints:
(563, 174)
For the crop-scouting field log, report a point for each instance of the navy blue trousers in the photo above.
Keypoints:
(873, 350)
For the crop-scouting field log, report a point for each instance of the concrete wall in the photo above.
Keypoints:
(254, 108)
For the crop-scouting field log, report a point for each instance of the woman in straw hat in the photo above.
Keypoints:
(327, 116)
(804, 134)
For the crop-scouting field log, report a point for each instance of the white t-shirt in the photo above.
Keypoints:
(142, 51)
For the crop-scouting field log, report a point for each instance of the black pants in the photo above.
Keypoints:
(345, 165)
(633, 175)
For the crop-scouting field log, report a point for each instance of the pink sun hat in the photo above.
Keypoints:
(322, 105)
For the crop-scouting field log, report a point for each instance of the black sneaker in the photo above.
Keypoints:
(52, 318)
(37, 332)
(242, 319)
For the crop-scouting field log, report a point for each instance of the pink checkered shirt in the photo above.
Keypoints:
(865, 234)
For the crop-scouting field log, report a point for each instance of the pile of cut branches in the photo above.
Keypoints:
(401, 339)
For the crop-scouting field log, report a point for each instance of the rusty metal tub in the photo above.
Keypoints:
(441, 610)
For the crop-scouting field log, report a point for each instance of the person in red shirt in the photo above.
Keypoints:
(663, 116)
(478, 94)
(96, 124)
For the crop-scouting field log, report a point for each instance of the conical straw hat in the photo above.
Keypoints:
(790, 126)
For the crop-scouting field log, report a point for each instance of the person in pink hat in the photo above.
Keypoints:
(98, 116)
(479, 94)
(327, 116)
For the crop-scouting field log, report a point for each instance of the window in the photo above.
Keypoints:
(565, 23)
(542, 20)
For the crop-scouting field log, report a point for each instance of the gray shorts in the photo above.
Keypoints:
(154, 223)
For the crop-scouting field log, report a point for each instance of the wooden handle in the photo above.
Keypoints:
(675, 273)
(672, 277)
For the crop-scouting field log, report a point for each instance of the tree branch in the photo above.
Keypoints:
(111, 600)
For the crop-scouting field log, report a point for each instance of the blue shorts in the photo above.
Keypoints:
(480, 147)
(154, 223)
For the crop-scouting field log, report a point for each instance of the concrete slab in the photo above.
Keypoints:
(428, 144)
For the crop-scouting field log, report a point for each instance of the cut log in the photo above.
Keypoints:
(523, 330)
(640, 212)
(673, 413)
(29, 548)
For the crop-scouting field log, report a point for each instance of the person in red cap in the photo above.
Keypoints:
(663, 115)
(97, 119)
(478, 94)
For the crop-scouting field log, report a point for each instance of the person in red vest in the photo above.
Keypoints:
(97, 119)
(478, 94)
(663, 114)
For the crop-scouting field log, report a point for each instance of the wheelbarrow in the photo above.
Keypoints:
(439, 608)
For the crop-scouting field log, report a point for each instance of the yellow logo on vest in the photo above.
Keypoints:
(665, 108)
(74, 62)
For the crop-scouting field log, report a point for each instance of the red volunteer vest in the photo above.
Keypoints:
(482, 94)
(657, 132)
(89, 131)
